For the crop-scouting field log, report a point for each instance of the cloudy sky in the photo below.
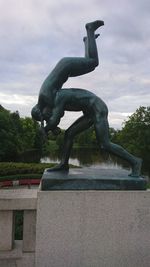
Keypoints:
(35, 34)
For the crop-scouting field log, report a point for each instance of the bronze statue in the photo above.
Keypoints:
(53, 101)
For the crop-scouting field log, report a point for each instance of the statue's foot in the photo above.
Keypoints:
(85, 37)
(94, 25)
(59, 167)
(136, 168)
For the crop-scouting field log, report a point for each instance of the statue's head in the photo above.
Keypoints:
(36, 113)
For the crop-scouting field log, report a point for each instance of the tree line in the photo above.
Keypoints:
(17, 135)
(21, 135)
(135, 134)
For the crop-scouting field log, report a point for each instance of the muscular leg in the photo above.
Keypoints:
(85, 40)
(102, 134)
(90, 62)
(69, 67)
(76, 66)
(91, 43)
(77, 127)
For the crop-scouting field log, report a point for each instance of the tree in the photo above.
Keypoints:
(9, 145)
(28, 133)
(135, 135)
(17, 135)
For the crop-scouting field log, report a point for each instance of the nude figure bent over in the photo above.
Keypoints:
(53, 101)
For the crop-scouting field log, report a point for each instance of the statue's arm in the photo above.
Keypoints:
(54, 120)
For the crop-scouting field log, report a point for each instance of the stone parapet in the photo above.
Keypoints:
(12, 252)
(19, 199)
(76, 228)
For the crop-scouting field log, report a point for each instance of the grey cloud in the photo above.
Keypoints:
(36, 34)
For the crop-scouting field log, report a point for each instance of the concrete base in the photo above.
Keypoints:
(93, 229)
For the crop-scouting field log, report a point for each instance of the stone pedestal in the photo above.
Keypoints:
(93, 229)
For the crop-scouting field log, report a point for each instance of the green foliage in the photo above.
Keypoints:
(17, 135)
(49, 147)
(21, 176)
(7, 137)
(17, 170)
(11, 168)
(86, 138)
(135, 135)
(28, 132)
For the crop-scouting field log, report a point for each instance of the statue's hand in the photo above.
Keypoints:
(56, 131)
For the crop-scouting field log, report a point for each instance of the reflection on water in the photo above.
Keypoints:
(50, 159)
(89, 158)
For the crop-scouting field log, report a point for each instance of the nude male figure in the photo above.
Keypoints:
(53, 101)
(65, 68)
